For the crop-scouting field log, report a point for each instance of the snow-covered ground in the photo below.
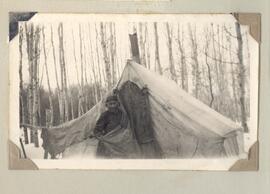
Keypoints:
(80, 150)
(30, 149)
(89, 146)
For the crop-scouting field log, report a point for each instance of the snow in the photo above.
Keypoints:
(30, 149)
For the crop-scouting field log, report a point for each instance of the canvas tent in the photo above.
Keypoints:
(180, 125)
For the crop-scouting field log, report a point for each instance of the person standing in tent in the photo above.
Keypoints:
(110, 124)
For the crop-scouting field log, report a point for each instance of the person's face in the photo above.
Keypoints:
(112, 104)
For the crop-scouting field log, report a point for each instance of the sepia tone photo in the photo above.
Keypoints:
(141, 89)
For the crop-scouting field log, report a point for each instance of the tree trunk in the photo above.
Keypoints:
(22, 105)
(216, 62)
(32, 39)
(84, 71)
(93, 66)
(207, 41)
(234, 89)
(241, 76)
(112, 43)
(142, 45)
(29, 43)
(59, 94)
(81, 91)
(147, 45)
(35, 83)
(80, 95)
(105, 57)
(247, 77)
(63, 71)
(98, 63)
(48, 79)
(195, 72)
(171, 60)
(157, 59)
(115, 53)
(183, 65)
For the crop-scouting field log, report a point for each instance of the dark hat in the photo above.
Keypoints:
(111, 98)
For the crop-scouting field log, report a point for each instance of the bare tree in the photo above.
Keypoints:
(48, 79)
(195, 72)
(216, 60)
(92, 66)
(63, 70)
(80, 94)
(234, 81)
(142, 45)
(206, 50)
(157, 59)
(29, 32)
(171, 60)
(81, 91)
(241, 76)
(98, 62)
(115, 52)
(223, 84)
(22, 104)
(247, 73)
(33, 36)
(147, 46)
(59, 93)
(105, 56)
(183, 64)
(84, 71)
(112, 51)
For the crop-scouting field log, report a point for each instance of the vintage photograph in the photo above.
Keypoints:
(90, 89)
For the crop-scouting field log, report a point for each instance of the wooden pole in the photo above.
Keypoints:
(135, 53)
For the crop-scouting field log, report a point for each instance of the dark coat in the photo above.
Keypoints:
(107, 122)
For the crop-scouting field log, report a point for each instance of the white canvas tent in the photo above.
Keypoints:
(183, 126)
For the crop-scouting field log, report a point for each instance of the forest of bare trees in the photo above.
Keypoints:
(64, 71)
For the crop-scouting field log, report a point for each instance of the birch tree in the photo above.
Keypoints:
(84, 71)
(81, 91)
(93, 66)
(98, 61)
(59, 93)
(241, 76)
(194, 56)
(183, 65)
(48, 80)
(216, 61)
(233, 71)
(22, 103)
(142, 45)
(35, 83)
(105, 56)
(112, 51)
(157, 59)
(210, 80)
(63, 71)
(29, 33)
(33, 51)
(147, 46)
(171, 60)
(115, 52)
